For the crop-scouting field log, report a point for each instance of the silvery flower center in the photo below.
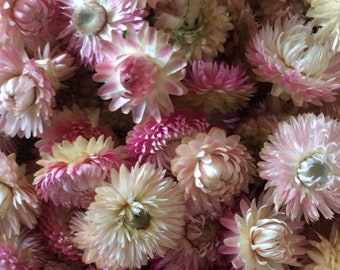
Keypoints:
(313, 170)
(138, 218)
(90, 19)
(269, 239)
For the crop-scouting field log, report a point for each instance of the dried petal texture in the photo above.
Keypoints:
(218, 87)
(93, 21)
(197, 29)
(54, 225)
(69, 176)
(140, 72)
(19, 204)
(298, 67)
(22, 252)
(325, 254)
(261, 238)
(156, 142)
(301, 165)
(211, 168)
(68, 124)
(325, 16)
(26, 95)
(139, 214)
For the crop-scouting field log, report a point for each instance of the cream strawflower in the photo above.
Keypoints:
(325, 254)
(19, 204)
(26, 95)
(261, 238)
(325, 16)
(70, 174)
(140, 71)
(301, 166)
(212, 168)
(197, 28)
(139, 214)
(298, 67)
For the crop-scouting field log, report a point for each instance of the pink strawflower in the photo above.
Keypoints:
(212, 168)
(93, 21)
(26, 95)
(138, 215)
(19, 204)
(54, 225)
(22, 252)
(261, 238)
(68, 125)
(218, 87)
(301, 166)
(140, 71)
(298, 67)
(156, 142)
(69, 176)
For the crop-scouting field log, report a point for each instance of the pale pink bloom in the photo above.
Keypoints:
(218, 86)
(212, 168)
(19, 204)
(138, 215)
(26, 95)
(197, 28)
(140, 71)
(198, 249)
(261, 238)
(301, 166)
(92, 21)
(298, 67)
(54, 225)
(69, 176)
(68, 125)
(22, 252)
(156, 142)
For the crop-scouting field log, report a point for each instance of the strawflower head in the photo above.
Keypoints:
(325, 16)
(197, 29)
(139, 214)
(217, 87)
(70, 174)
(140, 71)
(298, 67)
(93, 21)
(26, 95)
(19, 204)
(211, 168)
(301, 165)
(156, 142)
(261, 238)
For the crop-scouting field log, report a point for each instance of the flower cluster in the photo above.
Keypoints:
(169, 134)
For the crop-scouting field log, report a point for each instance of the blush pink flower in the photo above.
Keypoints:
(301, 165)
(156, 142)
(261, 238)
(298, 67)
(92, 21)
(19, 204)
(69, 176)
(136, 216)
(212, 168)
(139, 73)
(218, 87)
(68, 125)
(26, 95)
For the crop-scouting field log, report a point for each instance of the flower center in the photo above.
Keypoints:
(90, 18)
(269, 239)
(137, 217)
(18, 93)
(138, 75)
(313, 170)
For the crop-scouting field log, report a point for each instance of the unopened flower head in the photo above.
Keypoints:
(301, 166)
(139, 214)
